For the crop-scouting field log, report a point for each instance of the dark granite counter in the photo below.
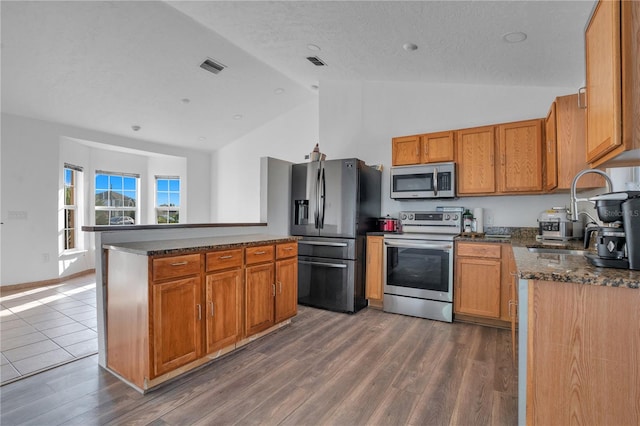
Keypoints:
(191, 245)
(556, 266)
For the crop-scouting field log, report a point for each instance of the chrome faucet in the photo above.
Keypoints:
(573, 212)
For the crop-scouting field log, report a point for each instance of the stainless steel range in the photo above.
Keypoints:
(418, 265)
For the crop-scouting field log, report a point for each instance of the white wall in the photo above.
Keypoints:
(235, 168)
(360, 118)
(33, 153)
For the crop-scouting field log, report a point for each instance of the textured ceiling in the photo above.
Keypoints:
(110, 65)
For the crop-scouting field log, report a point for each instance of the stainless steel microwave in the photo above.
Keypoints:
(435, 180)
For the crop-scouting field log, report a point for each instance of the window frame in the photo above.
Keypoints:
(122, 190)
(166, 211)
(70, 227)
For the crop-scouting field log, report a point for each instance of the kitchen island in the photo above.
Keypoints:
(174, 305)
(579, 340)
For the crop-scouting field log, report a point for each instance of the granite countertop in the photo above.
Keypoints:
(556, 266)
(191, 245)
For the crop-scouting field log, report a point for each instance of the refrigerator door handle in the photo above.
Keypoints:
(317, 207)
(322, 243)
(322, 198)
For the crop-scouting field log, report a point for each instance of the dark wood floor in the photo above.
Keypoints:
(371, 368)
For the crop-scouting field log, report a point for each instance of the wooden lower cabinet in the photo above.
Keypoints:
(222, 294)
(169, 314)
(582, 355)
(259, 298)
(286, 289)
(477, 290)
(176, 316)
(271, 288)
(374, 280)
(484, 283)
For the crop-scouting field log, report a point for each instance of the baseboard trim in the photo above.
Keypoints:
(7, 289)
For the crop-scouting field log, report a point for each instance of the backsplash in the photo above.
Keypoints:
(515, 232)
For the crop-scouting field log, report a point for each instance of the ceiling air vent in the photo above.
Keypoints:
(212, 66)
(316, 61)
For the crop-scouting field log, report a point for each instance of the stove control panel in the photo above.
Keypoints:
(453, 219)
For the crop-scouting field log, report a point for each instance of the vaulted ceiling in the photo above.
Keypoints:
(109, 66)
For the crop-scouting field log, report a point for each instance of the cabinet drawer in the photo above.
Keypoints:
(479, 250)
(176, 266)
(224, 259)
(259, 254)
(286, 250)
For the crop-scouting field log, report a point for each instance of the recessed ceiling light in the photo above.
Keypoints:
(185, 100)
(313, 47)
(279, 91)
(315, 86)
(410, 47)
(202, 139)
(237, 117)
(135, 127)
(515, 37)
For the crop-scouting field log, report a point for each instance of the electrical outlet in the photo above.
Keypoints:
(488, 220)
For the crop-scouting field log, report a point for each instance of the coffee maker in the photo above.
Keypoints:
(618, 239)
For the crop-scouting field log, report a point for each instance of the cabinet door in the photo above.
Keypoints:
(604, 92)
(570, 130)
(437, 147)
(286, 289)
(475, 151)
(176, 324)
(222, 297)
(375, 247)
(520, 156)
(259, 297)
(478, 287)
(405, 150)
(550, 148)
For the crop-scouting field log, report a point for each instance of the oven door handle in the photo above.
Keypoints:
(445, 247)
(329, 265)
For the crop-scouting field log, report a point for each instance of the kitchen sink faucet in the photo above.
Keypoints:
(573, 212)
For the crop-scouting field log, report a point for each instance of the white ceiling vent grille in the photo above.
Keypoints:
(316, 61)
(212, 66)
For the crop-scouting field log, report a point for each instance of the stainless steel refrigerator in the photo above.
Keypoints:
(335, 203)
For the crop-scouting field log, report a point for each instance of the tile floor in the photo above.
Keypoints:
(47, 326)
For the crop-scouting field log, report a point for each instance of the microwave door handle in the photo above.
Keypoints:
(435, 181)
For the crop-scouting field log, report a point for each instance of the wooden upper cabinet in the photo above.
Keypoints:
(550, 147)
(604, 96)
(405, 150)
(613, 84)
(475, 152)
(570, 136)
(520, 156)
(437, 147)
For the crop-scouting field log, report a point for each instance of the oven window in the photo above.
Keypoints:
(423, 269)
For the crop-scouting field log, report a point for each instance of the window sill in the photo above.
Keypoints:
(73, 252)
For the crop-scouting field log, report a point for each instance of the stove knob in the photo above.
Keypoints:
(410, 216)
(455, 217)
(403, 216)
(447, 217)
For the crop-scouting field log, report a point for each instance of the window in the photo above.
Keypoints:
(116, 198)
(167, 199)
(70, 205)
